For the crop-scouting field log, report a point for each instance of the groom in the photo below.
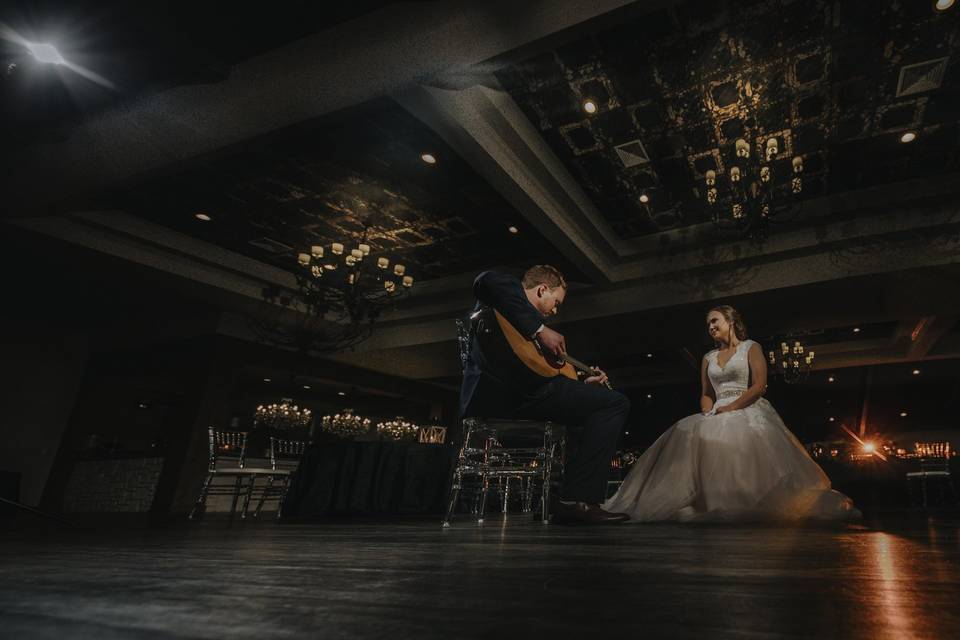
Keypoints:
(497, 385)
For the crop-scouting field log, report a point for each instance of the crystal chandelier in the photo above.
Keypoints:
(340, 294)
(283, 415)
(345, 424)
(398, 429)
(761, 187)
(792, 362)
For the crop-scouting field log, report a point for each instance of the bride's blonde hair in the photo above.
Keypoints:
(733, 317)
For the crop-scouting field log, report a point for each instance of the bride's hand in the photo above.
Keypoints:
(724, 409)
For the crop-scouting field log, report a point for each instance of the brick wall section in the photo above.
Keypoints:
(98, 486)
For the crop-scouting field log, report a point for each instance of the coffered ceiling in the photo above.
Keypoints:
(357, 176)
(836, 83)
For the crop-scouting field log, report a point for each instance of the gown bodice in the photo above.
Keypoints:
(731, 380)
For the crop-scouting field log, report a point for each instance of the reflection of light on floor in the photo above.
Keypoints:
(895, 579)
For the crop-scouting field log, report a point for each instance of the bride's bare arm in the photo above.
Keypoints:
(758, 381)
(706, 393)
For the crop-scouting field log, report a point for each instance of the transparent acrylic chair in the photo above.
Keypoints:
(483, 459)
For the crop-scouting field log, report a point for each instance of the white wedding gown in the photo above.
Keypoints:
(741, 465)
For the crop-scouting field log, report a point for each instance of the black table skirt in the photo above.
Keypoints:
(360, 478)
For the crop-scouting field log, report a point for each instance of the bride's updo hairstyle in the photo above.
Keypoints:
(733, 318)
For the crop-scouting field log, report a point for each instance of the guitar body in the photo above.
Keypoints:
(530, 354)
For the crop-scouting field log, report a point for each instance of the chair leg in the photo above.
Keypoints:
(201, 504)
(284, 487)
(246, 498)
(545, 490)
(484, 490)
(549, 446)
(457, 479)
(454, 495)
(236, 495)
(267, 490)
(505, 494)
(923, 490)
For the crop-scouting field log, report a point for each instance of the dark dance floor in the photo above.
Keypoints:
(896, 576)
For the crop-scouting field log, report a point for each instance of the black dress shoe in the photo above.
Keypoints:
(584, 513)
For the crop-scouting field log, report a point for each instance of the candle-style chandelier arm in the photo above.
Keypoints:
(792, 360)
(342, 289)
(746, 191)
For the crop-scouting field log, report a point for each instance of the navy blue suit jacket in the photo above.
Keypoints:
(495, 381)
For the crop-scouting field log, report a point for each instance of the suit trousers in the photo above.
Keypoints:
(594, 416)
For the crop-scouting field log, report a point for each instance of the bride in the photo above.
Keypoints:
(735, 460)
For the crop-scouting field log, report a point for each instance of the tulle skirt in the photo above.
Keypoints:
(743, 465)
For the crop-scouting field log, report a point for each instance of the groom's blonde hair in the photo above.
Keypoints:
(733, 317)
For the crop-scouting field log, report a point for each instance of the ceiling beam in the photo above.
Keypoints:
(374, 55)
(485, 127)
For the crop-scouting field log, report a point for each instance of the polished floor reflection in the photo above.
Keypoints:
(895, 576)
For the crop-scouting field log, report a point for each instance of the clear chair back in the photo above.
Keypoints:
(226, 448)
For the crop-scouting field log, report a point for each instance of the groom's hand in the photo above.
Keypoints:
(599, 378)
(553, 342)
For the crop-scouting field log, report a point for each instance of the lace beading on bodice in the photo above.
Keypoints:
(731, 380)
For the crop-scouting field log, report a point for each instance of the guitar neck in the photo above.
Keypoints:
(584, 368)
(578, 365)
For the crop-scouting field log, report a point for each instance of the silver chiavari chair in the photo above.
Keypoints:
(227, 451)
(285, 456)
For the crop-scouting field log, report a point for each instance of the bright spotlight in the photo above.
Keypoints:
(45, 53)
(869, 447)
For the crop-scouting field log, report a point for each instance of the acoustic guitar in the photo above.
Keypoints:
(532, 354)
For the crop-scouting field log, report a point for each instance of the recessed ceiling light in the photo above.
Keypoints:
(590, 106)
(266, 379)
(513, 229)
(429, 158)
(943, 5)
(341, 393)
(903, 414)
(649, 395)
(916, 372)
(45, 53)
(830, 379)
(832, 419)
(306, 386)
(649, 355)
(856, 329)
(908, 136)
(626, 433)
(202, 217)
(644, 198)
